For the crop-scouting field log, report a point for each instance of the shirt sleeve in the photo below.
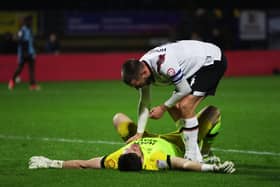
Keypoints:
(157, 161)
(111, 161)
(143, 108)
(172, 70)
(182, 89)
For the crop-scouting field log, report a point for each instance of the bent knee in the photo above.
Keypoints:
(213, 110)
(120, 118)
(188, 105)
(186, 109)
(117, 118)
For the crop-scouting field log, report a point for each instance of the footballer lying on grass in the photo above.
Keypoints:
(152, 152)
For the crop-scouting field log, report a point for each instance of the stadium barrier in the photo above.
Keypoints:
(106, 66)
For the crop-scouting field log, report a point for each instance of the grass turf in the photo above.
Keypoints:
(34, 123)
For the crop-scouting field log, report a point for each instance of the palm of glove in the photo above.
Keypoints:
(36, 162)
(226, 167)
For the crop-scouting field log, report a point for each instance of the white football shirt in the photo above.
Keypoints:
(173, 63)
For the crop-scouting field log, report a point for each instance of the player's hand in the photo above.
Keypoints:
(226, 167)
(157, 112)
(135, 137)
(36, 162)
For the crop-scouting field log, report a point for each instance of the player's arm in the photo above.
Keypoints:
(143, 113)
(171, 69)
(94, 163)
(23, 43)
(36, 162)
(143, 108)
(182, 89)
(175, 74)
(184, 164)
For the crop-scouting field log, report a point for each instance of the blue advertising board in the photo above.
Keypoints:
(90, 23)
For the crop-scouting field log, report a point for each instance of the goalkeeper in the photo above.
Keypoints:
(152, 152)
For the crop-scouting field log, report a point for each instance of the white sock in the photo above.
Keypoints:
(190, 137)
(207, 167)
(199, 157)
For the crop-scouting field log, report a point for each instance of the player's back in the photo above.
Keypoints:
(26, 38)
(149, 145)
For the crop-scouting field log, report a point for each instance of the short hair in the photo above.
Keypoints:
(129, 162)
(28, 18)
(131, 70)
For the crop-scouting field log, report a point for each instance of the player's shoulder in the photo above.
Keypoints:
(111, 160)
(22, 30)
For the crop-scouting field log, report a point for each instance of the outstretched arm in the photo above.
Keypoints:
(184, 164)
(36, 162)
(93, 163)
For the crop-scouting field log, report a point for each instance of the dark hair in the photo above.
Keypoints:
(131, 70)
(27, 20)
(130, 162)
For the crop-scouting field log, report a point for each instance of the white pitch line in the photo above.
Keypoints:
(247, 152)
(46, 139)
(59, 140)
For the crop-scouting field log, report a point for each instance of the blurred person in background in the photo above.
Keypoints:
(26, 54)
(194, 68)
(52, 45)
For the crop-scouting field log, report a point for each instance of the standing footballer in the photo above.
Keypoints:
(194, 68)
(26, 54)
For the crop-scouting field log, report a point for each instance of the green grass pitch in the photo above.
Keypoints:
(73, 120)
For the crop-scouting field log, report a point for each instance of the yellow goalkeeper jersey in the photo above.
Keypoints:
(156, 151)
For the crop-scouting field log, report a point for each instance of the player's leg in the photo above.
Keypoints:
(183, 113)
(31, 65)
(209, 119)
(126, 128)
(175, 112)
(203, 83)
(190, 130)
(17, 72)
(32, 81)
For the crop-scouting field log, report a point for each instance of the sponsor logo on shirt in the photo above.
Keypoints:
(171, 72)
(160, 61)
(111, 163)
(192, 81)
